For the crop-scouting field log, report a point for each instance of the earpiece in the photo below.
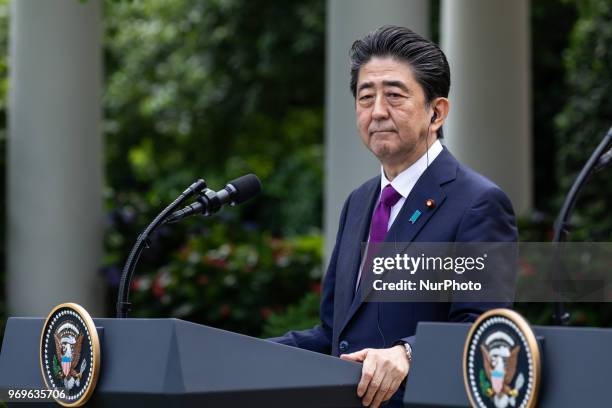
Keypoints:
(433, 118)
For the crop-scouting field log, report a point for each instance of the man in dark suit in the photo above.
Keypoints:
(400, 82)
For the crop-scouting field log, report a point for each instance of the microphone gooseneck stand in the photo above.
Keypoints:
(561, 316)
(123, 304)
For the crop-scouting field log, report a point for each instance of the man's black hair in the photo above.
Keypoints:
(427, 61)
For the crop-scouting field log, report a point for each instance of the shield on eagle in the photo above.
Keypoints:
(497, 380)
(66, 363)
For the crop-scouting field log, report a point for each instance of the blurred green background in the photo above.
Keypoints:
(217, 89)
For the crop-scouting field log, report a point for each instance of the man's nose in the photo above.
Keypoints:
(380, 110)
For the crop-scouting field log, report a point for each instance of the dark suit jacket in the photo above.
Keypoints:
(469, 208)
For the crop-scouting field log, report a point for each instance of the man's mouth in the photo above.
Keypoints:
(382, 131)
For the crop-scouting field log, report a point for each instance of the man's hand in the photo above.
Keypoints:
(382, 373)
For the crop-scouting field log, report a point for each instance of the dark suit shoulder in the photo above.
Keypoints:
(473, 180)
(488, 214)
(476, 187)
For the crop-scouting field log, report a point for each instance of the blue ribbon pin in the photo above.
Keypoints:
(415, 216)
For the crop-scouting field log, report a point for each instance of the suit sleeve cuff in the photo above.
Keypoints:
(410, 340)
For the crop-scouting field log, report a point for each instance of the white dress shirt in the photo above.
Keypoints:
(405, 181)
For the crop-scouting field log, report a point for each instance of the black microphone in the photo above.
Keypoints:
(209, 202)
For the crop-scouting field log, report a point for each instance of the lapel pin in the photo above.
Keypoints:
(430, 203)
(415, 216)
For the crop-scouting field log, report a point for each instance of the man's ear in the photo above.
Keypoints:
(440, 108)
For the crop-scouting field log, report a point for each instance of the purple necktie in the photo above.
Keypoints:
(380, 219)
(378, 227)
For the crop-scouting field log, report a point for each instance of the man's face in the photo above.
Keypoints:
(392, 118)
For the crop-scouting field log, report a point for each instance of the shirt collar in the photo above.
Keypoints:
(405, 181)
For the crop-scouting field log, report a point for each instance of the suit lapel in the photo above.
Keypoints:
(358, 232)
(414, 213)
(441, 171)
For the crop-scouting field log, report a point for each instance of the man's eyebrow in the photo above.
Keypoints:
(365, 85)
(397, 84)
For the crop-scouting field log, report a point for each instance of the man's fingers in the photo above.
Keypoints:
(374, 385)
(348, 357)
(373, 388)
(357, 356)
(393, 388)
(383, 390)
(367, 374)
(381, 374)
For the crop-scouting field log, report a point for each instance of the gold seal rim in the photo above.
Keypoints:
(530, 338)
(95, 345)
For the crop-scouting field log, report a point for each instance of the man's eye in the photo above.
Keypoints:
(394, 95)
(365, 97)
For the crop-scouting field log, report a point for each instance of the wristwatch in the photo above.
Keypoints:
(408, 349)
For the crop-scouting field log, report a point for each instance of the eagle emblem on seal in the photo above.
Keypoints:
(68, 345)
(499, 355)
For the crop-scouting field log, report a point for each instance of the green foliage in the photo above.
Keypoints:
(587, 116)
(303, 315)
(582, 124)
(549, 92)
(578, 129)
(215, 89)
(232, 283)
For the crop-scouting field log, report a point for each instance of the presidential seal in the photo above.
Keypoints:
(70, 354)
(501, 362)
